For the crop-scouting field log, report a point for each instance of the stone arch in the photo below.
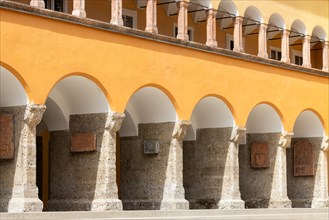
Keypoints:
(264, 118)
(227, 8)
(277, 20)
(308, 124)
(12, 90)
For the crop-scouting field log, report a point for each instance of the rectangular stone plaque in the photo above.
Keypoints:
(259, 155)
(7, 146)
(151, 147)
(303, 159)
(83, 142)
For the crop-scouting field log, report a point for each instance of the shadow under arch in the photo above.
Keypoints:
(18, 76)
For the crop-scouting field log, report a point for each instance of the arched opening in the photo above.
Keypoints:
(307, 171)
(274, 34)
(145, 139)
(13, 101)
(259, 157)
(74, 140)
(297, 33)
(207, 155)
(317, 40)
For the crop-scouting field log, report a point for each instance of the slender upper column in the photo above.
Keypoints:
(211, 28)
(279, 196)
(237, 34)
(116, 8)
(174, 193)
(38, 3)
(307, 51)
(325, 56)
(79, 8)
(285, 46)
(230, 192)
(25, 191)
(151, 16)
(106, 190)
(182, 20)
(262, 41)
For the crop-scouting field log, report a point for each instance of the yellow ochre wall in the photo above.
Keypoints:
(50, 50)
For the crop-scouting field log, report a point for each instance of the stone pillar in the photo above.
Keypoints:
(79, 8)
(151, 16)
(211, 28)
(285, 46)
(262, 41)
(231, 197)
(38, 3)
(182, 20)
(237, 35)
(25, 191)
(279, 196)
(116, 7)
(320, 195)
(325, 56)
(106, 190)
(174, 193)
(307, 51)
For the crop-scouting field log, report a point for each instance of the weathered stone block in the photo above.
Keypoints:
(6, 136)
(259, 155)
(303, 159)
(83, 142)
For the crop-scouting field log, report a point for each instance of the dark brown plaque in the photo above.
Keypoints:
(82, 142)
(303, 159)
(259, 155)
(6, 136)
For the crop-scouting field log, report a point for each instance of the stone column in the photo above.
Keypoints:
(38, 3)
(79, 8)
(151, 16)
(237, 35)
(174, 193)
(106, 190)
(325, 56)
(279, 196)
(320, 195)
(116, 7)
(182, 20)
(25, 191)
(231, 197)
(307, 51)
(285, 46)
(211, 28)
(262, 41)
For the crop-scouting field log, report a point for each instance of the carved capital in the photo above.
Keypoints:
(33, 114)
(211, 12)
(238, 19)
(285, 33)
(285, 139)
(325, 143)
(237, 133)
(181, 128)
(183, 4)
(114, 121)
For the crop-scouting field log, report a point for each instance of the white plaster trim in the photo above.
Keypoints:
(295, 53)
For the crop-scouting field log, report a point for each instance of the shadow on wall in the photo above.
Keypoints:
(204, 167)
(143, 175)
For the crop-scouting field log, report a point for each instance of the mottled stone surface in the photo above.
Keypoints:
(143, 175)
(6, 136)
(259, 155)
(306, 190)
(303, 158)
(83, 142)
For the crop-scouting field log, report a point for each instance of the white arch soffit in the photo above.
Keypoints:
(264, 119)
(308, 124)
(210, 112)
(150, 105)
(320, 33)
(54, 116)
(201, 4)
(129, 126)
(227, 6)
(276, 20)
(12, 93)
(252, 13)
(299, 27)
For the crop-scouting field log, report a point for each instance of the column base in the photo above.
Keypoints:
(118, 22)
(240, 50)
(183, 37)
(263, 55)
(152, 29)
(320, 203)
(174, 204)
(79, 13)
(286, 60)
(100, 205)
(231, 204)
(38, 3)
(308, 65)
(212, 43)
(25, 205)
(285, 203)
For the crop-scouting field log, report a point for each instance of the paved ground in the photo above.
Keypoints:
(273, 214)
